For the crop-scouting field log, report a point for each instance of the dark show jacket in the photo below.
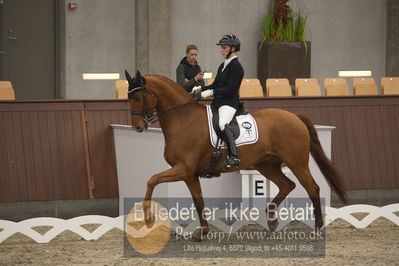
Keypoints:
(227, 84)
(185, 70)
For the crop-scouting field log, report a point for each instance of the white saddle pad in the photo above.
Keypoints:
(248, 129)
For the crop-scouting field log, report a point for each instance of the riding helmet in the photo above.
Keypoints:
(231, 40)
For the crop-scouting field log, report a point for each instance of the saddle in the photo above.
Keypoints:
(233, 124)
(216, 154)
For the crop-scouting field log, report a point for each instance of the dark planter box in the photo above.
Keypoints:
(289, 60)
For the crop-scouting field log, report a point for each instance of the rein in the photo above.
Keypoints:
(151, 117)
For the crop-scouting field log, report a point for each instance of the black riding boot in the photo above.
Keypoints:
(233, 160)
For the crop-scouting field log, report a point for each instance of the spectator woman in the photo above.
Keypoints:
(188, 73)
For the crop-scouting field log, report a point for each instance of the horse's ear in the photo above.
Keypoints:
(139, 79)
(128, 77)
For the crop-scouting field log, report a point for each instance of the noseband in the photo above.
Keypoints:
(152, 116)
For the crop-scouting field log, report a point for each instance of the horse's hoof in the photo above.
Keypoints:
(273, 224)
(198, 235)
(150, 222)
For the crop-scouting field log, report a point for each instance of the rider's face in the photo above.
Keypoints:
(224, 50)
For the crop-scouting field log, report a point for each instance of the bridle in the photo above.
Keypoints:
(148, 115)
(152, 116)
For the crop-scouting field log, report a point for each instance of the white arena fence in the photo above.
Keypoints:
(9, 228)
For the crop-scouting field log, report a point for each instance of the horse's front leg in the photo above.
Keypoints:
(194, 186)
(176, 173)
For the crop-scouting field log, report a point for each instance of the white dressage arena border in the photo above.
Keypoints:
(74, 225)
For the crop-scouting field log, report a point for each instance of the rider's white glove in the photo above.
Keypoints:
(207, 93)
(196, 89)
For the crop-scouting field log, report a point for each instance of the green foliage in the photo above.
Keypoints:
(292, 30)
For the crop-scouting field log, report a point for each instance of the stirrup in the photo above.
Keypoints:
(232, 162)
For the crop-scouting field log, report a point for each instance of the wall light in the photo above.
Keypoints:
(359, 73)
(101, 76)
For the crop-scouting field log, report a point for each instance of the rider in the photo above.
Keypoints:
(225, 91)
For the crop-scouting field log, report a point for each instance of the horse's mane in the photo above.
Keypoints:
(176, 87)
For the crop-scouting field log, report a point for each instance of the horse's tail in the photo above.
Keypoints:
(326, 165)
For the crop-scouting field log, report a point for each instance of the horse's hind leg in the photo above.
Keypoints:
(305, 178)
(272, 171)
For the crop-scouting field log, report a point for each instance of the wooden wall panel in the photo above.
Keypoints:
(19, 157)
(4, 157)
(54, 152)
(40, 154)
(42, 143)
(70, 145)
(365, 148)
(100, 116)
(389, 142)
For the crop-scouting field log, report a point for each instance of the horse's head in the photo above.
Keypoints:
(143, 102)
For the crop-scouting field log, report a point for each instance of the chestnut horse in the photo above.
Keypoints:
(283, 137)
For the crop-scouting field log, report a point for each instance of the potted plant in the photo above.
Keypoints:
(283, 51)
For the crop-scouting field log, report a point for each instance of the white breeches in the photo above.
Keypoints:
(226, 114)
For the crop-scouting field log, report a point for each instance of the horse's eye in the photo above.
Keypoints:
(137, 99)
